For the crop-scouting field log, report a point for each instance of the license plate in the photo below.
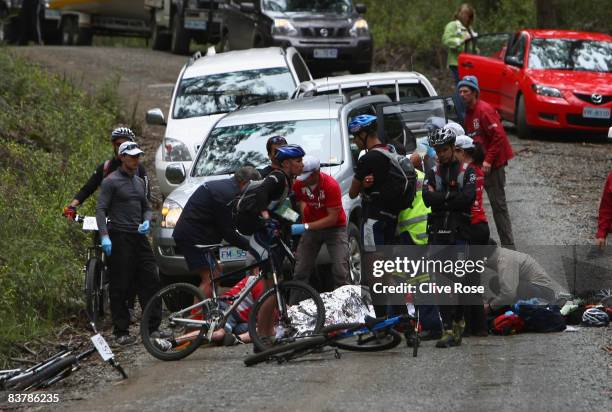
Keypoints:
(596, 112)
(51, 14)
(196, 24)
(102, 347)
(325, 53)
(231, 254)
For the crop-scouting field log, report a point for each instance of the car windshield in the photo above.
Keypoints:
(225, 92)
(229, 148)
(563, 54)
(327, 6)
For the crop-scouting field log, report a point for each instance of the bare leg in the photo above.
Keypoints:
(265, 320)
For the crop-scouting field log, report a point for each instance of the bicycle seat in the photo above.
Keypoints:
(209, 248)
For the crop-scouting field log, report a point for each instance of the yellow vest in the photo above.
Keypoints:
(414, 220)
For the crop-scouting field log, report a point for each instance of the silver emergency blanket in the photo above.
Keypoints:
(347, 304)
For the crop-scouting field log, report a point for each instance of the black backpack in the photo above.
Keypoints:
(400, 188)
(541, 319)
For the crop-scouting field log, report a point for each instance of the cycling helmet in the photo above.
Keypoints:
(290, 151)
(455, 127)
(441, 137)
(595, 317)
(364, 121)
(123, 132)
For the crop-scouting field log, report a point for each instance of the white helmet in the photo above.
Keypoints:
(595, 317)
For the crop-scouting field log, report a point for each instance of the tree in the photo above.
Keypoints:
(546, 14)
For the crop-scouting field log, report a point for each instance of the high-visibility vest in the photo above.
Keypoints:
(414, 220)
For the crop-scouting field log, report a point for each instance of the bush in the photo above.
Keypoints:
(51, 138)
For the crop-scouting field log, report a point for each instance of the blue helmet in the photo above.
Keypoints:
(363, 121)
(289, 151)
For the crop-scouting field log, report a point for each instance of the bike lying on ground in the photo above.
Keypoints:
(188, 325)
(375, 334)
(57, 367)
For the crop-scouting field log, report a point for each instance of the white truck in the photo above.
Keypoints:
(169, 24)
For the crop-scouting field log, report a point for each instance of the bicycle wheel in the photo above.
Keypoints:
(49, 371)
(292, 320)
(301, 345)
(371, 341)
(180, 338)
(93, 299)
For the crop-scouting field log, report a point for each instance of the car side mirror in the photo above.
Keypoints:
(247, 7)
(175, 173)
(361, 8)
(155, 117)
(514, 61)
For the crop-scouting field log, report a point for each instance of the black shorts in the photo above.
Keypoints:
(195, 257)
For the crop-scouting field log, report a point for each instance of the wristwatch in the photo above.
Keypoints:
(306, 226)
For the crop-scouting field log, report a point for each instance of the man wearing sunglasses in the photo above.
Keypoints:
(123, 200)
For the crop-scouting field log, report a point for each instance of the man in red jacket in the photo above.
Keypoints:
(604, 225)
(484, 125)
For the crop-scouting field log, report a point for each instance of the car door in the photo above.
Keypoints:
(483, 58)
(512, 72)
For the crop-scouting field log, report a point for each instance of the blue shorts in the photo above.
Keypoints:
(195, 257)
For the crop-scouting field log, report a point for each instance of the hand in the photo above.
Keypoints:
(431, 188)
(486, 168)
(298, 229)
(368, 181)
(70, 212)
(107, 245)
(143, 229)
(600, 242)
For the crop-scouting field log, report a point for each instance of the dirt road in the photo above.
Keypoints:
(553, 187)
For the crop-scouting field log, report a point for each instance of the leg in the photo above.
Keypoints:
(494, 185)
(147, 282)
(120, 265)
(305, 256)
(337, 245)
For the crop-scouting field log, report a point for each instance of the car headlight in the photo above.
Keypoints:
(175, 151)
(171, 211)
(546, 90)
(283, 27)
(360, 28)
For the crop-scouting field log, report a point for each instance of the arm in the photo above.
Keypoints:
(604, 223)
(493, 131)
(465, 199)
(104, 201)
(431, 198)
(355, 188)
(452, 37)
(508, 271)
(147, 213)
(142, 172)
(90, 186)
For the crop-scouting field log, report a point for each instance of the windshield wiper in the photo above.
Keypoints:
(331, 164)
(223, 172)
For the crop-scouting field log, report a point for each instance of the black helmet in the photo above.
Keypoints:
(440, 137)
(123, 132)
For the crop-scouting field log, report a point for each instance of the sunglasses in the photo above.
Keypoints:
(277, 140)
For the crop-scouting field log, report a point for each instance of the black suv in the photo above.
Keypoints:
(330, 35)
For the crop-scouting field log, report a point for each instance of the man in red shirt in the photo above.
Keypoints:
(604, 225)
(483, 123)
(324, 222)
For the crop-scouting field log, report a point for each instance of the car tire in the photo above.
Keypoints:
(180, 37)
(159, 40)
(355, 254)
(523, 131)
(68, 29)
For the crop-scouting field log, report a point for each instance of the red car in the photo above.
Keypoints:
(544, 79)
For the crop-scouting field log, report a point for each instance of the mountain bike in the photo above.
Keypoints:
(57, 367)
(375, 334)
(188, 327)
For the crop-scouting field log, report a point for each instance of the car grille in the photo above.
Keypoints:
(333, 32)
(578, 120)
(587, 98)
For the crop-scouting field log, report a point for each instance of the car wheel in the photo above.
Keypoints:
(180, 38)
(523, 131)
(69, 28)
(355, 253)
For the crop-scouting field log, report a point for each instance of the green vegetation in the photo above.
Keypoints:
(51, 137)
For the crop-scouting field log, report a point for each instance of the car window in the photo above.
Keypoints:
(228, 148)
(412, 90)
(300, 68)
(564, 54)
(488, 45)
(225, 92)
(334, 6)
(516, 52)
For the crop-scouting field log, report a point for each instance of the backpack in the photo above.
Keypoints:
(542, 319)
(245, 215)
(507, 324)
(400, 188)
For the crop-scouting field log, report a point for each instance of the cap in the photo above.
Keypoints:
(455, 127)
(129, 148)
(464, 142)
(311, 164)
(469, 81)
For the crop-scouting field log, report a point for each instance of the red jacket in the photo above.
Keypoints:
(488, 130)
(604, 225)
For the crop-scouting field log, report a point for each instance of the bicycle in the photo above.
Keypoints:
(57, 367)
(190, 326)
(375, 334)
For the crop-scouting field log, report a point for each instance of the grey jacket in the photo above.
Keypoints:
(123, 199)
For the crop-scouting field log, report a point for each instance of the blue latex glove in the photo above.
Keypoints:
(143, 229)
(297, 229)
(107, 245)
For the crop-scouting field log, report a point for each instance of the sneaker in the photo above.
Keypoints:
(230, 339)
(162, 344)
(447, 340)
(160, 334)
(458, 328)
(125, 340)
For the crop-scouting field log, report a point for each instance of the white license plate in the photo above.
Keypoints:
(51, 14)
(196, 24)
(596, 112)
(325, 53)
(231, 254)
(102, 347)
